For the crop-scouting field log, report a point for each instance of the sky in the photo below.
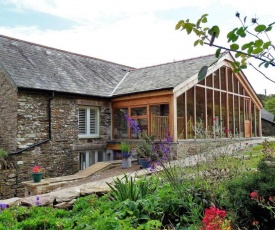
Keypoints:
(136, 33)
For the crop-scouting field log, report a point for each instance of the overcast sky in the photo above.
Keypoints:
(136, 33)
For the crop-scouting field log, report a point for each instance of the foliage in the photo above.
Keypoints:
(154, 203)
(125, 149)
(4, 160)
(127, 188)
(244, 211)
(259, 46)
(269, 104)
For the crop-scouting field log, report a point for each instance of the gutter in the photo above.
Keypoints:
(49, 130)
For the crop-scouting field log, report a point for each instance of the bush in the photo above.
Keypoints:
(247, 213)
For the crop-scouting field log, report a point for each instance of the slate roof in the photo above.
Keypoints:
(39, 67)
(162, 76)
(267, 116)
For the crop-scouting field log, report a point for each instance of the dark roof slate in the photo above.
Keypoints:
(267, 116)
(39, 67)
(162, 76)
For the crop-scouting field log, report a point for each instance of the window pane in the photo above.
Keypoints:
(143, 125)
(223, 78)
(209, 81)
(181, 116)
(93, 121)
(216, 79)
(120, 123)
(138, 111)
(81, 121)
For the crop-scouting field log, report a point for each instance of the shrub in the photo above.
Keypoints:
(246, 212)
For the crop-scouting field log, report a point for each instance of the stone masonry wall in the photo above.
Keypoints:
(57, 155)
(8, 129)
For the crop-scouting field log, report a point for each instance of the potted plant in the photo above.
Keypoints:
(145, 150)
(126, 154)
(37, 173)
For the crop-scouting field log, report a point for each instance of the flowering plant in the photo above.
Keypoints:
(214, 219)
(37, 169)
(125, 149)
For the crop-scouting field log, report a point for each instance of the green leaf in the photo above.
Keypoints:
(257, 50)
(196, 42)
(260, 28)
(218, 52)
(261, 64)
(180, 23)
(237, 55)
(243, 67)
(250, 49)
(266, 64)
(197, 32)
(259, 43)
(198, 23)
(234, 46)
(266, 45)
(268, 28)
(241, 32)
(245, 46)
(204, 20)
(202, 73)
(204, 15)
(214, 30)
(201, 42)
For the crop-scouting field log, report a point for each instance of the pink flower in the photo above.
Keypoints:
(227, 130)
(37, 169)
(213, 119)
(254, 195)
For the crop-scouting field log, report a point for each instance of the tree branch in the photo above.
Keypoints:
(236, 51)
(261, 73)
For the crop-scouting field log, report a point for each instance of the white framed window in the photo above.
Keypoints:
(88, 158)
(88, 122)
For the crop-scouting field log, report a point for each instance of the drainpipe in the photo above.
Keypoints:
(49, 131)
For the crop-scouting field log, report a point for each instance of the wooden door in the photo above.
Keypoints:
(247, 128)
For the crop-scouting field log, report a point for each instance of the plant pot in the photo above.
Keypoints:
(37, 177)
(126, 163)
(144, 163)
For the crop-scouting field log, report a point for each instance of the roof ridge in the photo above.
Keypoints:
(64, 51)
(188, 59)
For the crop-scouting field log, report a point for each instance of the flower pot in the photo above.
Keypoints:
(144, 163)
(126, 163)
(37, 177)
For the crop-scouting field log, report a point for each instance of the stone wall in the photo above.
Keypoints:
(8, 183)
(56, 155)
(8, 119)
(268, 128)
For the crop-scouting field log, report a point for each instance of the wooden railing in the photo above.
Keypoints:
(159, 126)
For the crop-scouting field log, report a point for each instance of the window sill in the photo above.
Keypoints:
(88, 136)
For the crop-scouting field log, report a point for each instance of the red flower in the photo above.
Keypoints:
(213, 119)
(254, 195)
(37, 169)
(214, 219)
(227, 130)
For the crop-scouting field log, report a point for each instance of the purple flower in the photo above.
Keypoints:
(3, 206)
(37, 203)
(133, 124)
